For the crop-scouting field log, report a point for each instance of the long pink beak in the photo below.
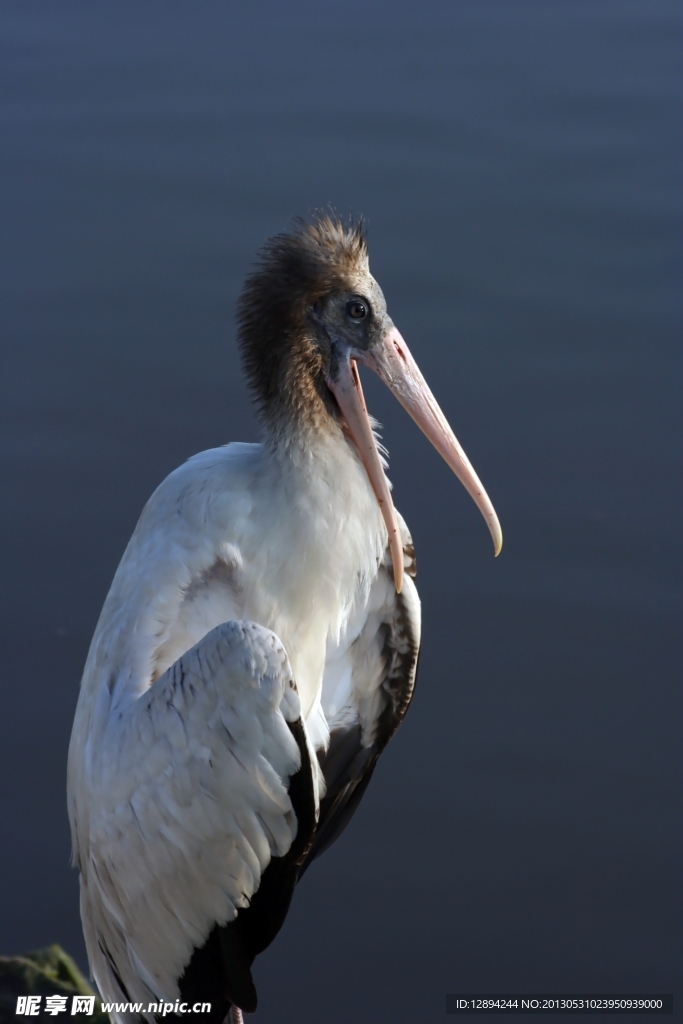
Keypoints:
(392, 362)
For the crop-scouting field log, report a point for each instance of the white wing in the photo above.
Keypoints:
(188, 801)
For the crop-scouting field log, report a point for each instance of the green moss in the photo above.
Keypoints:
(44, 972)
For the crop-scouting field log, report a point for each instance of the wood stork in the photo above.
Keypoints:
(257, 649)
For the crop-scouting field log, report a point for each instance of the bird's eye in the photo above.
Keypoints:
(356, 309)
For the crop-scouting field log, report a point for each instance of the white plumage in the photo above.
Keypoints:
(167, 847)
(252, 659)
(188, 803)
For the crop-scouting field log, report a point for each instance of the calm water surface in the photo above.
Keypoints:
(518, 166)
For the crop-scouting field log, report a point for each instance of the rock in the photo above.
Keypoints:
(44, 972)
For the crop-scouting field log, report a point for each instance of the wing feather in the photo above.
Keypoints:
(189, 802)
(376, 672)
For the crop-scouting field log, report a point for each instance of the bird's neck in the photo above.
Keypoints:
(324, 485)
(322, 544)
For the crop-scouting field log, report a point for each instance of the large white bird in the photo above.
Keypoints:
(257, 649)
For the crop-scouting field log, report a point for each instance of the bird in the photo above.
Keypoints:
(257, 649)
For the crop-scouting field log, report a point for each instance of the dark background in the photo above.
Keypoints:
(517, 163)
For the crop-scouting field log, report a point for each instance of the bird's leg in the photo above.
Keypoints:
(235, 1015)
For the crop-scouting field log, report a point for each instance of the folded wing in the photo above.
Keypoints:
(370, 682)
(202, 783)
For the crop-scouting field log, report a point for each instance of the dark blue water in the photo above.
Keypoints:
(518, 163)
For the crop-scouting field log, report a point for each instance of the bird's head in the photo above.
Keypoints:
(308, 315)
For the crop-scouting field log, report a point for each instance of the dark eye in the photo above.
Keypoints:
(356, 309)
